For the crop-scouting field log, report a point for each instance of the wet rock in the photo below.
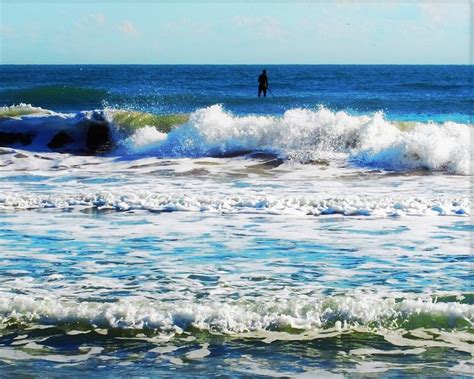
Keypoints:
(61, 139)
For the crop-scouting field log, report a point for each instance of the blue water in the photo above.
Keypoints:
(401, 92)
(322, 231)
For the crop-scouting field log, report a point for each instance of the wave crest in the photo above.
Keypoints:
(301, 135)
(241, 316)
(305, 135)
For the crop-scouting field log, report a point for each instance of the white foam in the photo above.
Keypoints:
(306, 135)
(349, 205)
(302, 135)
(144, 139)
(234, 317)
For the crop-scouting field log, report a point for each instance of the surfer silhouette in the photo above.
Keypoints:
(263, 83)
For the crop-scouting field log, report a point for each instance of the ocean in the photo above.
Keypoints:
(163, 220)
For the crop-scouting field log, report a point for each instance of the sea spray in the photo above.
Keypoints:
(301, 135)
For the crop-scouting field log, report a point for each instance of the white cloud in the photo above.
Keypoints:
(263, 27)
(97, 18)
(186, 25)
(92, 19)
(441, 13)
(434, 12)
(127, 28)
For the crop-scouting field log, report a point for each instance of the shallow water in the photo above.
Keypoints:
(183, 291)
(313, 243)
(133, 270)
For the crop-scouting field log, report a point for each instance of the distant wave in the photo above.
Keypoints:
(300, 135)
(55, 95)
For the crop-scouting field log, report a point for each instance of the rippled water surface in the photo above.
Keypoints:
(326, 232)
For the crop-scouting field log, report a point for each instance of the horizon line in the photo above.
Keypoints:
(236, 64)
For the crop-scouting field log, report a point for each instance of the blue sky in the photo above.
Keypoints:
(232, 32)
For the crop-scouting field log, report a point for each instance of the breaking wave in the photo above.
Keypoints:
(301, 135)
(266, 204)
(241, 316)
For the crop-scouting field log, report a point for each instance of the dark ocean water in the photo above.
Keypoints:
(417, 93)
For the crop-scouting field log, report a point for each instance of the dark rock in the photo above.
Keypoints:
(59, 140)
(98, 138)
(13, 138)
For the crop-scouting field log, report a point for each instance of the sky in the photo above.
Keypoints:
(235, 32)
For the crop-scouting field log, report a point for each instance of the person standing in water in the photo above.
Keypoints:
(263, 83)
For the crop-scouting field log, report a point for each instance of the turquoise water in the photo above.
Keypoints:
(120, 292)
(325, 233)
(248, 289)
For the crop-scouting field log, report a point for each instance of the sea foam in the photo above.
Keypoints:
(306, 135)
(240, 316)
(349, 205)
(301, 135)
